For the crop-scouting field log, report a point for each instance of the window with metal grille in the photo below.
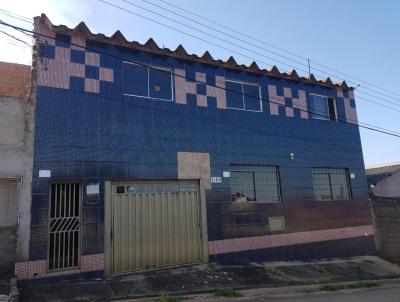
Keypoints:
(64, 228)
(331, 184)
(323, 107)
(255, 183)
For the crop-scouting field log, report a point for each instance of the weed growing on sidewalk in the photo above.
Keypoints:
(227, 292)
(336, 287)
(164, 297)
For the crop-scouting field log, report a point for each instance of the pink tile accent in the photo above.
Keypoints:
(92, 85)
(78, 39)
(200, 77)
(351, 113)
(41, 28)
(56, 72)
(218, 92)
(182, 87)
(339, 92)
(275, 100)
(38, 268)
(90, 263)
(106, 74)
(202, 100)
(30, 269)
(287, 92)
(92, 58)
(301, 103)
(261, 242)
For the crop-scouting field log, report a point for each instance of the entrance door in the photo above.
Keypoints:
(64, 226)
(153, 224)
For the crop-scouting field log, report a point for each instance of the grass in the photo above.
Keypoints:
(164, 297)
(336, 287)
(322, 270)
(227, 292)
(275, 271)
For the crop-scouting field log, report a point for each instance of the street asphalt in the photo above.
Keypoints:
(382, 294)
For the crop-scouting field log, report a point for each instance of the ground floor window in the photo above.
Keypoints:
(255, 183)
(331, 184)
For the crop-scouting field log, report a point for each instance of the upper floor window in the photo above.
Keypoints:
(255, 184)
(323, 107)
(149, 82)
(243, 96)
(331, 184)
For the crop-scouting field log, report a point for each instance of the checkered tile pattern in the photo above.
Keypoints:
(261, 242)
(277, 101)
(350, 108)
(37, 269)
(349, 105)
(184, 87)
(57, 72)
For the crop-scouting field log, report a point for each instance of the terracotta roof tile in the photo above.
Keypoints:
(151, 46)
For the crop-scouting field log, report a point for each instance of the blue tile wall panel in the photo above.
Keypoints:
(90, 138)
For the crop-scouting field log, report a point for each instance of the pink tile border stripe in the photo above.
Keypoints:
(268, 241)
(37, 269)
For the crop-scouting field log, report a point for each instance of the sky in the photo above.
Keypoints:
(360, 38)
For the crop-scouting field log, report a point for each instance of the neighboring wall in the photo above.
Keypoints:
(389, 186)
(387, 223)
(15, 162)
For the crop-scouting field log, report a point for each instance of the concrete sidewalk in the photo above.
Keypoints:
(206, 278)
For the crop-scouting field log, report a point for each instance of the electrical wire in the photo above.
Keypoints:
(370, 101)
(15, 16)
(353, 123)
(15, 38)
(279, 48)
(223, 40)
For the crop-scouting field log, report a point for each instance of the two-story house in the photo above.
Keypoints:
(147, 157)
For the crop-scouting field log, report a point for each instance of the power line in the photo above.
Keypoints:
(353, 123)
(225, 41)
(277, 47)
(198, 30)
(252, 44)
(15, 38)
(15, 16)
(370, 101)
(265, 49)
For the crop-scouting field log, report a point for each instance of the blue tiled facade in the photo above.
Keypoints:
(91, 137)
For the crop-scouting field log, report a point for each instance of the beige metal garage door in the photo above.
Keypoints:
(153, 224)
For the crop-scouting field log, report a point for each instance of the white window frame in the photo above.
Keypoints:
(148, 67)
(246, 83)
(318, 116)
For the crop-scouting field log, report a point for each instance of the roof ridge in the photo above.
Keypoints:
(151, 46)
(383, 165)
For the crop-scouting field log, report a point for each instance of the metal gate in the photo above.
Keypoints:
(154, 225)
(9, 199)
(64, 226)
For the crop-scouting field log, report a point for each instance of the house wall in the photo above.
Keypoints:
(16, 157)
(387, 223)
(389, 186)
(87, 130)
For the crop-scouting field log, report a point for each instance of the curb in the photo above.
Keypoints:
(272, 291)
(14, 292)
